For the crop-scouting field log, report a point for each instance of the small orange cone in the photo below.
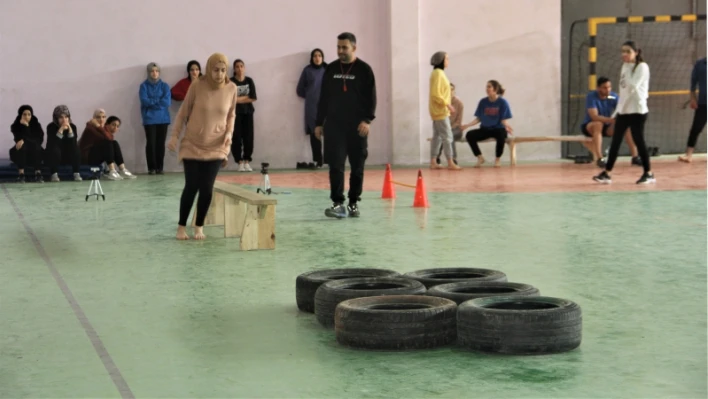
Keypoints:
(421, 198)
(388, 191)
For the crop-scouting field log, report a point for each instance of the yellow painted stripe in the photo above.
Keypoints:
(592, 54)
(635, 19)
(663, 18)
(689, 17)
(592, 82)
(651, 93)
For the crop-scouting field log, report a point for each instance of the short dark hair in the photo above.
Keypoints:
(602, 80)
(112, 119)
(347, 36)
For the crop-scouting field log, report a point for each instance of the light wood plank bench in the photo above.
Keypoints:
(511, 142)
(243, 213)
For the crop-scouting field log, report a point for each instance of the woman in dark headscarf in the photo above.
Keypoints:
(62, 143)
(309, 88)
(194, 71)
(28, 136)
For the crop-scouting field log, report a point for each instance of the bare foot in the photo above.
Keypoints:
(435, 166)
(182, 233)
(684, 158)
(452, 166)
(497, 163)
(199, 233)
(480, 162)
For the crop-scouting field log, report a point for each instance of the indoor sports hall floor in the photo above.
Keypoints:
(99, 300)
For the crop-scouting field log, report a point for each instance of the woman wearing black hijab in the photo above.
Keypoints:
(309, 87)
(28, 136)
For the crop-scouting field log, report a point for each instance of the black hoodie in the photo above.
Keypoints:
(33, 132)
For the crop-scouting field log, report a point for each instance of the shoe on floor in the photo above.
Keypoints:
(647, 178)
(603, 178)
(336, 211)
(353, 210)
(77, 177)
(125, 173)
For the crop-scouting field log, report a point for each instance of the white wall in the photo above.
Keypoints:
(516, 42)
(93, 54)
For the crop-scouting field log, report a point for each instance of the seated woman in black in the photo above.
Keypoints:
(29, 136)
(62, 146)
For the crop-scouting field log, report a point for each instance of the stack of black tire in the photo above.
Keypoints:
(477, 308)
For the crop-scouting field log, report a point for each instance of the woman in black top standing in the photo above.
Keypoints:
(62, 144)
(28, 136)
(243, 127)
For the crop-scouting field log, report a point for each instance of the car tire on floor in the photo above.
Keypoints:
(397, 322)
(307, 284)
(433, 277)
(467, 290)
(519, 325)
(332, 293)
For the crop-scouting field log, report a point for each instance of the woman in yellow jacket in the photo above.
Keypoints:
(440, 107)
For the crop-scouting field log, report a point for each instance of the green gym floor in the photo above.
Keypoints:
(98, 300)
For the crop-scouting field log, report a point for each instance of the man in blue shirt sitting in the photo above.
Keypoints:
(599, 106)
(698, 78)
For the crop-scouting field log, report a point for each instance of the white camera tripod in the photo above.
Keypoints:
(95, 187)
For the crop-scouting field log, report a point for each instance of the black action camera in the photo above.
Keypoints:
(264, 168)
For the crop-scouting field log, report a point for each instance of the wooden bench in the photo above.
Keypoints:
(243, 213)
(511, 142)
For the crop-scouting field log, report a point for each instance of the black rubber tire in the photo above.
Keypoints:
(331, 293)
(433, 277)
(396, 322)
(519, 325)
(307, 284)
(467, 290)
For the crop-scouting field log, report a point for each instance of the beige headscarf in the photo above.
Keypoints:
(213, 60)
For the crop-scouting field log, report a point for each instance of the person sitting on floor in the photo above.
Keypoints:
(194, 71)
(62, 147)
(493, 113)
(98, 145)
(29, 136)
(599, 106)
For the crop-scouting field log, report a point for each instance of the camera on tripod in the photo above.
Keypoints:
(264, 168)
(265, 181)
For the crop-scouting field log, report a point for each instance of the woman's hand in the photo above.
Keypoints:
(172, 145)
(19, 144)
(224, 162)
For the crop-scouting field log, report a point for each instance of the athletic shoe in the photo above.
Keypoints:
(20, 178)
(603, 178)
(241, 167)
(55, 177)
(636, 161)
(647, 178)
(247, 167)
(38, 178)
(601, 163)
(125, 173)
(336, 211)
(77, 177)
(353, 210)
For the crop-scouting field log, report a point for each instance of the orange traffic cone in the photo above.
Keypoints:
(421, 198)
(388, 190)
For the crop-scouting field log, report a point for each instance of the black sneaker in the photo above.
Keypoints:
(353, 210)
(636, 161)
(151, 172)
(20, 178)
(601, 163)
(38, 178)
(336, 211)
(647, 178)
(603, 178)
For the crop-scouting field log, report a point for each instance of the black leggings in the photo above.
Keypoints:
(64, 153)
(199, 176)
(30, 154)
(243, 138)
(342, 142)
(155, 146)
(699, 122)
(475, 136)
(635, 122)
(316, 146)
(106, 151)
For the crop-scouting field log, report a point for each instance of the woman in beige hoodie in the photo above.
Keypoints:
(209, 111)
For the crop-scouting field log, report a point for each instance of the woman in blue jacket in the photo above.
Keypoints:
(309, 87)
(155, 99)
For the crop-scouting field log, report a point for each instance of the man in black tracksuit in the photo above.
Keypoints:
(346, 108)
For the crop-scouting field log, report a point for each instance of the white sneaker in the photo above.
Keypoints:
(247, 167)
(77, 177)
(241, 167)
(126, 174)
(55, 177)
(113, 175)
